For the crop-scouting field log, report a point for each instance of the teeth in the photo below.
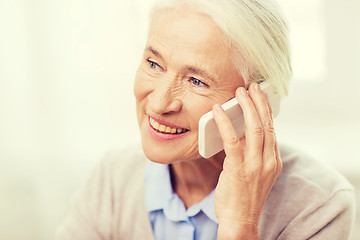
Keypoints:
(165, 129)
(155, 124)
(162, 128)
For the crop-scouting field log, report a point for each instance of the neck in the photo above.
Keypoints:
(193, 180)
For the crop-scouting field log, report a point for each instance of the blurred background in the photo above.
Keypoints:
(66, 74)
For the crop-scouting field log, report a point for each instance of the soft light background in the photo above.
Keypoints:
(66, 75)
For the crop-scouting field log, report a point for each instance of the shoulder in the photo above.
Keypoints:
(302, 172)
(124, 165)
(120, 169)
(111, 199)
(306, 197)
(125, 158)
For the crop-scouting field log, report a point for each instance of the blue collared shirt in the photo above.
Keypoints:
(168, 215)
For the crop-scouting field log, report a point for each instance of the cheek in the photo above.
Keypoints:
(143, 86)
(197, 105)
(196, 111)
(140, 88)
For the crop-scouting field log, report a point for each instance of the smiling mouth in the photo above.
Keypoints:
(166, 129)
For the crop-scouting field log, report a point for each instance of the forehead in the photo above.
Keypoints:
(184, 28)
(185, 37)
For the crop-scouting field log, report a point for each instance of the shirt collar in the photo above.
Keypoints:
(207, 206)
(158, 186)
(160, 195)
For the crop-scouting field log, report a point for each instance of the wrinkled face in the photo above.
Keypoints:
(186, 68)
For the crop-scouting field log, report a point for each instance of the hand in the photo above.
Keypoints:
(251, 166)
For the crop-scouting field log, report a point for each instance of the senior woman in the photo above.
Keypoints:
(198, 55)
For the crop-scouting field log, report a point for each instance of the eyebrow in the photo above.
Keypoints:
(189, 68)
(201, 72)
(153, 51)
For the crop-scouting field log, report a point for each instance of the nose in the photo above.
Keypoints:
(165, 98)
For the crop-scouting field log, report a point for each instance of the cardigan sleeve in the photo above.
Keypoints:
(331, 220)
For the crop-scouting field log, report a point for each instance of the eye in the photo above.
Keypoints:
(197, 82)
(153, 64)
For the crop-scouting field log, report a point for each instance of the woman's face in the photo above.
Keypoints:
(186, 68)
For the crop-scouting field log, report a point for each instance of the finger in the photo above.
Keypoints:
(278, 159)
(269, 106)
(254, 132)
(262, 107)
(243, 143)
(232, 144)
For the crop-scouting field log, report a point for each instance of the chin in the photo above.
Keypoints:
(157, 154)
(167, 154)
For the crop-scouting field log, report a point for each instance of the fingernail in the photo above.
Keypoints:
(257, 87)
(218, 108)
(243, 91)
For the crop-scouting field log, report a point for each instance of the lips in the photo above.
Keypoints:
(162, 128)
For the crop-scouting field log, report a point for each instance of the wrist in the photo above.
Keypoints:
(234, 231)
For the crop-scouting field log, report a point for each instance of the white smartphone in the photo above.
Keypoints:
(210, 141)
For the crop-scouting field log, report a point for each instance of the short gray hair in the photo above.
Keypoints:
(255, 30)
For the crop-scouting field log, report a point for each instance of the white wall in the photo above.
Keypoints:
(66, 75)
(321, 114)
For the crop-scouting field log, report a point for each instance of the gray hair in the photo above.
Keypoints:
(255, 29)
